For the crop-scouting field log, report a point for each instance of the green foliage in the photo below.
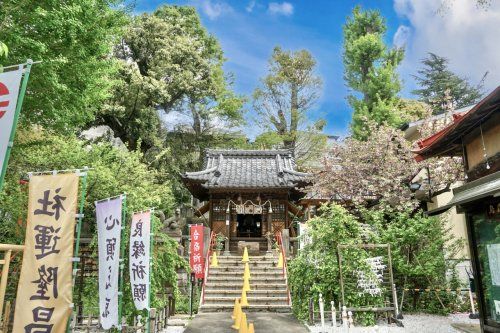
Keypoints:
(114, 171)
(316, 270)
(169, 63)
(73, 40)
(4, 50)
(370, 69)
(287, 93)
(438, 84)
(419, 247)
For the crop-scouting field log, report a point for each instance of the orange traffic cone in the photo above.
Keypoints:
(251, 329)
(246, 284)
(214, 262)
(244, 301)
(243, 324)
(237, 308)
(246, 274)
(245, 255)
(237, 320)
(280, 260)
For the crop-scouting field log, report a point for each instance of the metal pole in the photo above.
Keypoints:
(83, 194)
(122, 264)
(191, 293)
(20, 100)
(151, 243)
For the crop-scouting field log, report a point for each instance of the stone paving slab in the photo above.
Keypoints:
(264, 322)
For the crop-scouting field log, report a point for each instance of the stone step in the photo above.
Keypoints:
(250, 258)
(253, 273)
(239, 285)
(253, 279)
(228, 301)
(240, 265)
(236, 293)
(250, 308)
(236, 269)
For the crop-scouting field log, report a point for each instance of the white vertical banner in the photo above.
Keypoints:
(9, 91)
(109, 224)
(140, 232)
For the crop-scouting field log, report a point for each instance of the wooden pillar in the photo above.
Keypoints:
(3, 281)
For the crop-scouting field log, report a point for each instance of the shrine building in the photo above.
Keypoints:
(248, 193)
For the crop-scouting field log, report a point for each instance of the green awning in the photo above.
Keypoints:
(481, 188)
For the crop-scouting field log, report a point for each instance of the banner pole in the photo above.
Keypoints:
(151, 244)
(20, 100)
(81, 204)
(122, 262)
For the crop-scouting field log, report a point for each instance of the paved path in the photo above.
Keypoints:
(264, 322)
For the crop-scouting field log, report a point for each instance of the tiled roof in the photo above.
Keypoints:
(448, 139)
(247, 169)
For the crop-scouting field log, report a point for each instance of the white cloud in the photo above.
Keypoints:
(249, 8)
(284, 8)
(463, 33)
(214, 9)
(401, 36)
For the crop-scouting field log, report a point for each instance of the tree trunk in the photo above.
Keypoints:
(291, 138)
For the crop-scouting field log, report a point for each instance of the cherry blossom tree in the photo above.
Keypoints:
(380, 170)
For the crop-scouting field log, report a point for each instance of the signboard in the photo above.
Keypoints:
(196, 259)
(248, 209)
(45, 295)
(9, 90)
(370, 282)
(109, 224)
(140, 232)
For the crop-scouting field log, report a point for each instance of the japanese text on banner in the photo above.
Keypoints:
(44, 295)
(196, 259)
(109, 224)
(139, 258)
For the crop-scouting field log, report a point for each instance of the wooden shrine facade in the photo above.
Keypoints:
(248, 193)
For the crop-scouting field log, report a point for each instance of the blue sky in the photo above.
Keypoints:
(249, 29)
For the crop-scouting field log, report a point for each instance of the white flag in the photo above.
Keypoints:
(109, 223)
(9, 90)
(139, 259)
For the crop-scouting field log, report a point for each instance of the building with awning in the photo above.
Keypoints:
(474, 135)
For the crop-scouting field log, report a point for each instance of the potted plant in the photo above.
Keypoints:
(220, 240)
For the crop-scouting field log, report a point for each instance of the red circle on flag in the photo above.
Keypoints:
(4, 91)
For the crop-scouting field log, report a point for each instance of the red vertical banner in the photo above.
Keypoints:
(196, 259)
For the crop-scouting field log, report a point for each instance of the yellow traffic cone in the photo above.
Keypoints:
(246, 284)
(237, 320)
(247, 271)
(237, 308)
(251, 329)
(280, 260)
(245, 255)
(214, 262)
(243, 323)
(244, 301)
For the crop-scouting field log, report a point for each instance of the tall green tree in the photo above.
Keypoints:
(172, 98)
(370, 71)
(74, 40)
(287, 93)
(170, 63)
(438, 84)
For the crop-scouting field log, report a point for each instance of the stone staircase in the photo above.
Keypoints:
(269, 291)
